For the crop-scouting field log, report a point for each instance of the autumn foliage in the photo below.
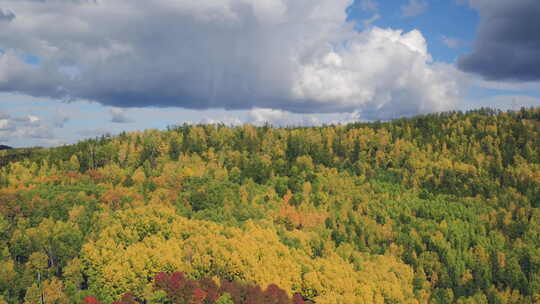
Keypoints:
(439, 208)
(181, 290)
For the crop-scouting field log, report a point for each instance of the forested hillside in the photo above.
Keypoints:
(442, 208)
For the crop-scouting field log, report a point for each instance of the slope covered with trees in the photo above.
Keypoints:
(442, 208)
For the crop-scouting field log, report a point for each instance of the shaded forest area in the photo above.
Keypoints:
(441, 208)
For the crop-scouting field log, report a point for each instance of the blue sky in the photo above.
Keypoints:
(441, 18)
(211, 63)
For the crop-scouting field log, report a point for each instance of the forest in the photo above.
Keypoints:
(438, 208)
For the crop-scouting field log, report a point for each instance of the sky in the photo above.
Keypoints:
(75, 69)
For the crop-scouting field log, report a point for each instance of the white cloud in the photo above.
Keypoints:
(228, 121)
(280, 118)
(502, 102)
(5, 125)
(268, 116)
(33, 119)
(414, 8)
(119, 115)
(382, 72)
(292, 55)
(475, 80)
(29, 126)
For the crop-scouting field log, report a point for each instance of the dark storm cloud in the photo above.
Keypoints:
(229, 54)
(507, 45)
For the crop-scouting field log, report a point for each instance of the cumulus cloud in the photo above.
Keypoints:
(503, 102)
(6, 125)
(6, 15)
(228, 121)
(414, 8)
(385, 74)
(29, 126)
(269, 116)
(507, 43)
(119, 115)
(299, 56)
(280, 118)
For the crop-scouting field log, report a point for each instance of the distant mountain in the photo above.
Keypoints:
(4, 147)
